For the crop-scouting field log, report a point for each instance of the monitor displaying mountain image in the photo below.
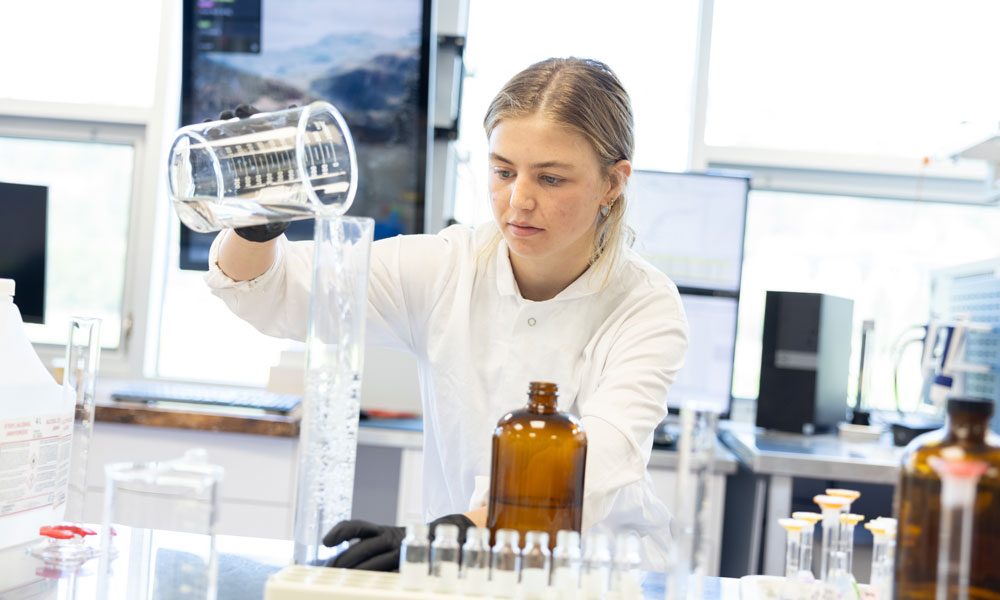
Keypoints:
(369, 59)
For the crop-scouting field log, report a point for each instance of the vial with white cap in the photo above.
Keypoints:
(596, 565)
(414, 558)
(626, 574)
(535, 565)
(506, 563)
(476, 561)
(566, 562)
(444, 558)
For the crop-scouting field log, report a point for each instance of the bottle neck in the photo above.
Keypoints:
(967, 427)
(542, 403)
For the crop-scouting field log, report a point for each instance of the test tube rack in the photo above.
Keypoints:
(328, 583)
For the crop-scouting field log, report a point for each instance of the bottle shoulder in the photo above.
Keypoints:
(916, 457)
(526, 420)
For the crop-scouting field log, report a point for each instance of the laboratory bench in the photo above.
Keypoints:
(244, 565)
(780, 472)
(258, 453)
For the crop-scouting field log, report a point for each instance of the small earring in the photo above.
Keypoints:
(605, 210)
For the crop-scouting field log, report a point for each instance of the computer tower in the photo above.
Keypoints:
(805, 360)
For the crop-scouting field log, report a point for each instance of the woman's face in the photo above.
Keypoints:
(546, 187)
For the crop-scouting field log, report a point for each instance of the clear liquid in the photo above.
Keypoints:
(209, 214)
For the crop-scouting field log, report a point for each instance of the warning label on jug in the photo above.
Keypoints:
(34, 462)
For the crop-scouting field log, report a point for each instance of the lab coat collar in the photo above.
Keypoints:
(586, 284)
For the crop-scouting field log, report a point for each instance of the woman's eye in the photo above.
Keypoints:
(551, 180)
(504, 173)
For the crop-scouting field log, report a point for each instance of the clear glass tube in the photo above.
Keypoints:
(846, 535)
(331, 402)
(79, 382)
(506, 563)
(693, 504)
(270, 167)
(807, 542)
(414, 557)
(831, 508)
(959, 479)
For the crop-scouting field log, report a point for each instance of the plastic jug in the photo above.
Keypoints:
(36, 433)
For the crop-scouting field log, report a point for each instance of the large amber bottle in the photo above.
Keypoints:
(536, 480)
(965, 435)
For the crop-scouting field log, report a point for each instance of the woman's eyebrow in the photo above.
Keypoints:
(542, 165)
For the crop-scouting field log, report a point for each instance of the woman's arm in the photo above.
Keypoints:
(243, 260)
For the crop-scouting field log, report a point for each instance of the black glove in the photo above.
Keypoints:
(255, 233)
(378, 545)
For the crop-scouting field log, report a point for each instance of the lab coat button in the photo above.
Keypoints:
(531, 322)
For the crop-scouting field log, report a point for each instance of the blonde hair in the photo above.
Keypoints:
(586, 96)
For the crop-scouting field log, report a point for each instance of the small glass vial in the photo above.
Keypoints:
(566, 562)
(476, 561)
(806, 556)
(535, 565)
(444, 558)
(626, 574)
(414, 558)
(596, 566)
(506, 563)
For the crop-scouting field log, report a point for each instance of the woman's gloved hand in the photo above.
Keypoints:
(377, 548)
(255, 233)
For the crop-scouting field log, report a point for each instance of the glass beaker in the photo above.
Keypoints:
(158, 529)
(270, 167)
(331, 402)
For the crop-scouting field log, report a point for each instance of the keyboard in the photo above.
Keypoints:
(150, 392)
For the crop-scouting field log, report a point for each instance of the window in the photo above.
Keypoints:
(875, 81)
(878, 253)
(89, 188)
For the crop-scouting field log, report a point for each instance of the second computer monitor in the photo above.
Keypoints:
(691, 226)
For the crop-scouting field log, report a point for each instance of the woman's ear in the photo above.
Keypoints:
(620, 172)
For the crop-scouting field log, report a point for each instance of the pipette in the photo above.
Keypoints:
(959, 478)
(830, 507)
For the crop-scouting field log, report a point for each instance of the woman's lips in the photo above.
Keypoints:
(523, 230)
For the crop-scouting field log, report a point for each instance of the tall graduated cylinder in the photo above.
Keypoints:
(334, 360)
(270, 167)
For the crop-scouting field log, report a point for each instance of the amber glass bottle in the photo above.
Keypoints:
(965, 434)
(536, 480)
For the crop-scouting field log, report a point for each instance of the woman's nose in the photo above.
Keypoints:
(521, 196)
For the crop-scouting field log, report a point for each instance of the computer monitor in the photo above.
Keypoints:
(691, 226)
(369, 59)
(23, 211)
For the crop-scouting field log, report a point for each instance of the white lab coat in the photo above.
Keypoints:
(612, 347)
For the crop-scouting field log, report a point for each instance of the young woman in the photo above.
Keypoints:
(549, 291)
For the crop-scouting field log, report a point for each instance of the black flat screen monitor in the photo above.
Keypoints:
(23, 212)
(691, 226)
(369, 59)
